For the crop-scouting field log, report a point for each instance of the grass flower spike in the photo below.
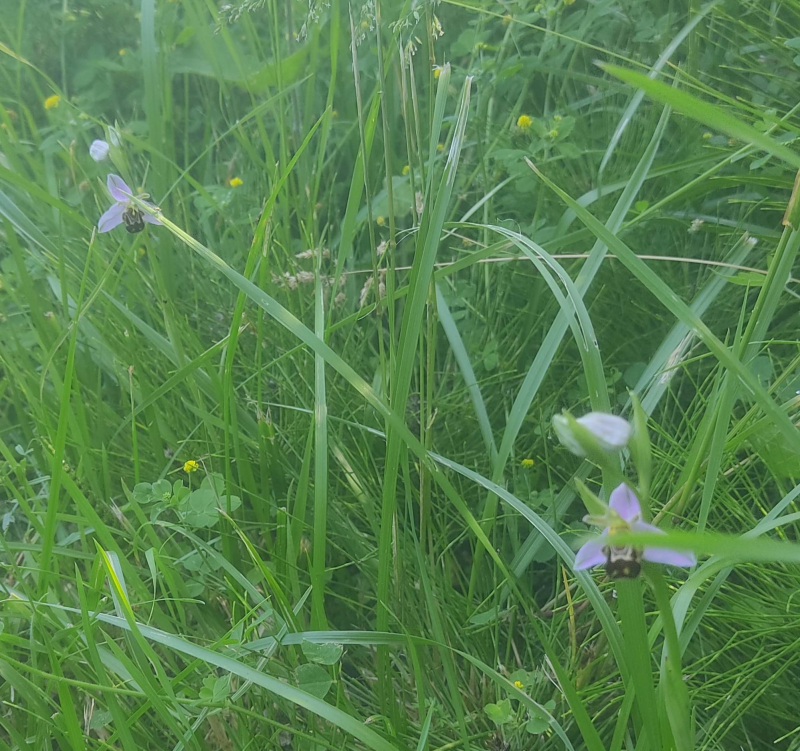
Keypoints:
(624, 561)
(124, 211)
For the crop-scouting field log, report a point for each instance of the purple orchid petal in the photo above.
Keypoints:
(640, 526)
(591, 554)
(149, 218)
(663, 555)
(118, 188)
(112, 218)
(611, 432)
(670, 557)
(624, 501)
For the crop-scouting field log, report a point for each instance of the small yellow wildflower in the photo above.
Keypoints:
(527, 463)
(706, 135)
(334, 113)
(437, 71)
(439, 147)
(380, 221)
(235, 182)
(524, 122)
(519, 684)
(406, 170)
(507, 19)
(122, 52)
(52, 102)
(553, 133)
(191, 466)
(557, 118)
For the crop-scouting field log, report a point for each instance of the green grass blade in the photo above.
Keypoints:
(347, 723)
(419, 282)
(636, 100)
(681, 310)
(708, 114)
(320, 461)
(462, 358)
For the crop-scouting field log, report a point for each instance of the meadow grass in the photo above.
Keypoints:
(280, 472)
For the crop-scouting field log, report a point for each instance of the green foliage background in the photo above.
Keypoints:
(364, 363)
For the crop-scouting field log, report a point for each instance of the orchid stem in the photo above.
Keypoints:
(634, 630)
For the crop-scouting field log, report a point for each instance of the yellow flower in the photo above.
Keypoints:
(524, 122)
(439, 147)
(380, 221)
(52, 102)
(706, 135)
(507, 19)
(235, 182)
(122, 52)
(406, 170)
(527, 463)
(437, 71)
(191, 466)
(557, 118)
(553, 133)
(519, 684)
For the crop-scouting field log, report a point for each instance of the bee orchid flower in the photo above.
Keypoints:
(125, 210)
(625, 561)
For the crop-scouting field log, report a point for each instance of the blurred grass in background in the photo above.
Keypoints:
(352, 255)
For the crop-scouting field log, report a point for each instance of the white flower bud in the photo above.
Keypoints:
(597, 429)
(564, 432)
(99, 150)
(114, 136)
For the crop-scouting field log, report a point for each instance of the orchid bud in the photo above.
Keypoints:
(116, 151)
(114, 136)
(99, 150)
(591, 434)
